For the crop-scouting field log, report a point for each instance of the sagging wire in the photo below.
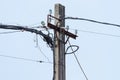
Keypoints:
(38, 47)
(40, 61)
(94, 21)
(80, 66)
(43, 54)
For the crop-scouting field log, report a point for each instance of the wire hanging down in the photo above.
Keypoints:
(78, 62)
(94, 21)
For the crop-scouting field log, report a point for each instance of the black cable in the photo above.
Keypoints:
(77, 47)
(23, 58)
(9, 32)
(21, 28)
(94, 21)
(78, 62)
(47, 38)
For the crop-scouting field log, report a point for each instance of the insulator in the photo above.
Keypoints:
(43, 23)
(50, 11)
(76, 31)
(67, 28)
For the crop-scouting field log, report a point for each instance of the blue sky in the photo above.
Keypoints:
(98, 54)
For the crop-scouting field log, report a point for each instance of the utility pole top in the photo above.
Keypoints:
(58, 4)
(59, 41)
(60, 21)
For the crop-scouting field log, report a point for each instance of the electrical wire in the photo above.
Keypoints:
(92, 32)
(9, 32)
(38, 47)
(43, 54)
(47, 38)
(77, 47)
(78, 63)
(22, 58)
(94, 21)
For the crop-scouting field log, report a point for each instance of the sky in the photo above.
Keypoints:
(98, 54)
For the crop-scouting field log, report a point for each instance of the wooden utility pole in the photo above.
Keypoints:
(59, 46)
(59, 41)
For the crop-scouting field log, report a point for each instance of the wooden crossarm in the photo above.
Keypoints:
(62, 30)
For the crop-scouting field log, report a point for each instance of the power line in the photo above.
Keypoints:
(38, 47)
(92, 32)
(9, 32)
(22, 58)
(43, 53)
(78, 62)
(47, 38)
(94, 21)
(13, 27)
